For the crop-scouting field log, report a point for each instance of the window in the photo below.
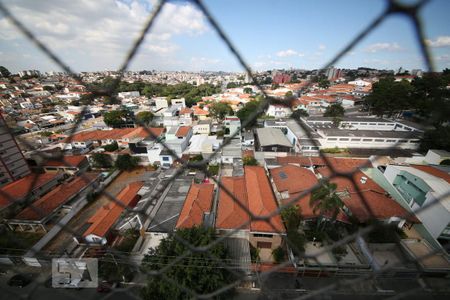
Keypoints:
(165, 158)
(415, 141)
(372, 123)
(402, 141)
(343, 139)
(379, 140)
(367, 140)
(355, 140)
(363, 123)
(390, 141)
(332, 139)
(264, 235)
(264, 245)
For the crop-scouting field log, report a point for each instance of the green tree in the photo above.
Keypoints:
(232, 85)
(4, 72)
(111, 147)
(126, 162)
(325, 200)
(144, 118)
(438, 138)
(390, 97)
(101, 160)
(117, 118)
(250, 161)
(219, 110)
(196, 271)
(288, 94)
(334, 110)
(248, 90)
(248, 110)
(299, 113)
(278, 255)
(324, 83)
(291, 217)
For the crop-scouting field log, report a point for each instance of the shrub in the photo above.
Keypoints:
(111, 147)
(278, 255)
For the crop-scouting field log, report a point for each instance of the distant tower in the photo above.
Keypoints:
(12, 163)
(248, 79)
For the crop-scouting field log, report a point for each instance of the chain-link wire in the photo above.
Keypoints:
(410, 12)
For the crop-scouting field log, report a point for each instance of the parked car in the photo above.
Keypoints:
(20, 280)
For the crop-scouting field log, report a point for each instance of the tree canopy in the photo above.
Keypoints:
(325, 200)
(197, 271)
(126, 162)
(249, 108)
(427, 96)
(4, 72)
(144, 118)
(219, 110)
(438, 138)
(101, 160)
(117, 118)
(334, 110)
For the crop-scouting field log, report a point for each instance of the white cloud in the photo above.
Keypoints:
(289, 52)
(97, 34)
(322, 47)
(439, 42)
(377, 47)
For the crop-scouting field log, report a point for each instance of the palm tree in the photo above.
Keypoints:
(326, 201)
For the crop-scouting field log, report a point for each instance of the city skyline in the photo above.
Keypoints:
(96, 36)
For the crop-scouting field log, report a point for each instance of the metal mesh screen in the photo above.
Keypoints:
(410, 12)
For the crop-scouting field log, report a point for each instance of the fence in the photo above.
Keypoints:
(411, 12)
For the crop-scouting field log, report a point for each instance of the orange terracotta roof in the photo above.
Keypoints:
(183, 131)
(186, 110)
(231, 215)
(198, 202)
(66, 161)
(115, 134)
(108, 215)
(293, 179)
(433, 171)
(58, 196)
(199, 112)
(19, 189)
(261, 200)
(373, 202)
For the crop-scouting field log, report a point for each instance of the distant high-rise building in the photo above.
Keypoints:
(333, 73)
(12, 163)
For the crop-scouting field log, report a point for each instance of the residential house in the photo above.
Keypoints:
(422, 186)
(197, 207)
(100, 230)
(254, 193)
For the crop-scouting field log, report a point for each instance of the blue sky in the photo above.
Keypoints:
(95, 35)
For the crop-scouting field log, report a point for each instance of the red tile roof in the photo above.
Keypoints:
(261, 200)
(115, 134)
(58, 196)
(297, 180)
(66, 161)
(293, 179)
(183, 131)
(185, 111)
(231, 215)
(433, 171)
(199, 112)
(108, 215)
(198, 202)
(19, 189)
(373, 202)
